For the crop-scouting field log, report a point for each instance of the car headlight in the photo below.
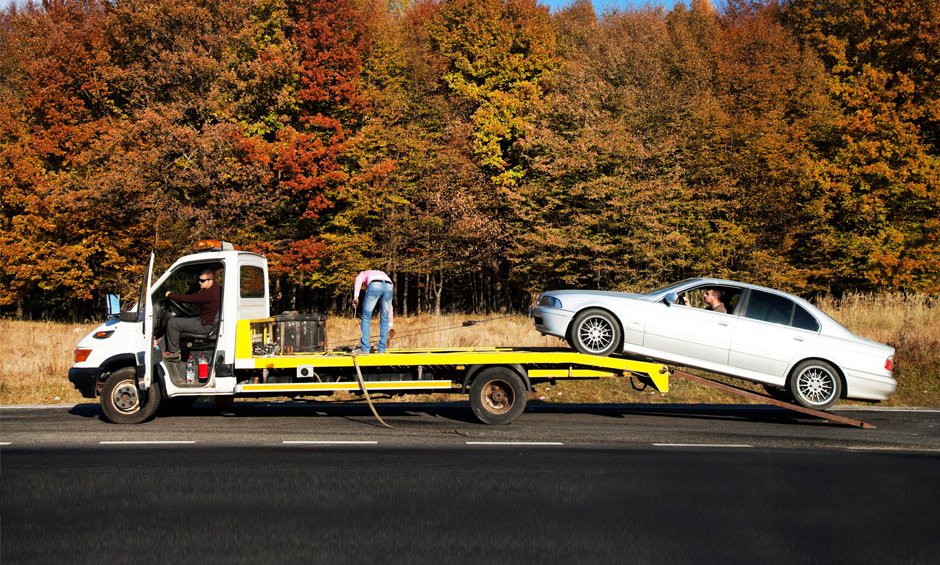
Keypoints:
(549, 301)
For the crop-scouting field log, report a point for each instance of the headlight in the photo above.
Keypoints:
(549, 301)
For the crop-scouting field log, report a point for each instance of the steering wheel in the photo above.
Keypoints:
(183, 309)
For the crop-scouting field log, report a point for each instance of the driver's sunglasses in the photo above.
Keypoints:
(204, 280)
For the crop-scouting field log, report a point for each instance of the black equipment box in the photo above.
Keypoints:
(300, 333)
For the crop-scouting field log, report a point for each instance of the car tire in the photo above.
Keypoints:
(815, 384)
(123, 403)
(498, 396)
(595, 332)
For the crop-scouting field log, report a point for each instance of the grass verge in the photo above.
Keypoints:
(35, 356)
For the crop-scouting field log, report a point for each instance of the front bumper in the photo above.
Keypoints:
(551, 321)
(85, 379)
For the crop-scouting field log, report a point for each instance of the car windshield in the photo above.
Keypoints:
(666, 288)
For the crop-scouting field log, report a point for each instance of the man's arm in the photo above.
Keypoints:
(360, 280)
(197, 298)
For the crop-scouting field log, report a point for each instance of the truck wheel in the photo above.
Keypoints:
(595, 332)
(123, 403)
(815, 384)
(497, 396)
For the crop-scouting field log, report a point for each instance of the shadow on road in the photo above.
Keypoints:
(460, 411)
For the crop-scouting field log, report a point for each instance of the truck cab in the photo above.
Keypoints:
(121, 360)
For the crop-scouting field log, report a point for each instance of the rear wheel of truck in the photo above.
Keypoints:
(123, 403)
(497, 396)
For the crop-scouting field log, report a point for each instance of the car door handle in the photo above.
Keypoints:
(797, 338)
(723, 324)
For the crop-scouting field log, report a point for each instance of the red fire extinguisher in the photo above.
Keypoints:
(203, 367)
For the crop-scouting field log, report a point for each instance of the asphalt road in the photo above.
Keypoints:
(566, 484)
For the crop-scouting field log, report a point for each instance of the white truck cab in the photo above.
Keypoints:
(118, 360)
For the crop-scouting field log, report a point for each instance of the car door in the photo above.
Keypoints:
(690, 331)
(772, 331)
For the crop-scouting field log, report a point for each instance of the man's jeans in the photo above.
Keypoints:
(177, 325)
(377, 291)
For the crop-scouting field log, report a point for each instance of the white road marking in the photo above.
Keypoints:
(5, 443)
(319, 442)
(734, 445)
(153, 442)
(514, 443)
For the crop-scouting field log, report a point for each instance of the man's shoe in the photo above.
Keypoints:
(361, 351)
(170, 356)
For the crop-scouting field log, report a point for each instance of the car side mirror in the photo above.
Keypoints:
(671, 298)
(113, 305)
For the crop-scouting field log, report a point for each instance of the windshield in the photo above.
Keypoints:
(666, 288)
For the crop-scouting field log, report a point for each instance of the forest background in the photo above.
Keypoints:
(479, 151)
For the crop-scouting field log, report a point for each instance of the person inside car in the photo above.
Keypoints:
(715, 298)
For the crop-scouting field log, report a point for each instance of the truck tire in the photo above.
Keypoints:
(595, 332)
(123, 403)
(497, 396)
(815, 384)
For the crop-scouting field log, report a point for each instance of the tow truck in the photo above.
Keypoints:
(250, 353)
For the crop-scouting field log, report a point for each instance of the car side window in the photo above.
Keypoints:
(804, 320)
(695, 297)
(768, 307)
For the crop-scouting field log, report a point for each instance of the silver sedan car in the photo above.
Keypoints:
(759, 334)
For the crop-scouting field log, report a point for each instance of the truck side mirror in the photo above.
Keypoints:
(113, 303)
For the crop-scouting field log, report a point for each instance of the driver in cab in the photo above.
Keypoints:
(208, 297)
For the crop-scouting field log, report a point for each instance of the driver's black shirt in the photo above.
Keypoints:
(208, 300)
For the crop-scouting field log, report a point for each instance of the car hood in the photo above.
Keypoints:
(606, 293)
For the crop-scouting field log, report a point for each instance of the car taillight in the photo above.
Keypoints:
(81, 355)
(889, 363)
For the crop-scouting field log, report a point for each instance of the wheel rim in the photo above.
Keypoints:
(126, 398)
(596, 333)
(816, 385)
(498, 397)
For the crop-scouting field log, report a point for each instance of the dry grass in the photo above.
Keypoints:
(35, 356)
(910, 324)
(34, 362)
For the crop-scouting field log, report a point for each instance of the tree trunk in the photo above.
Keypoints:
(404, 295)
(438, 288)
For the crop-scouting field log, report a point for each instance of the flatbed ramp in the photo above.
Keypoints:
(325, 371)
(497, 380)
(763, 398)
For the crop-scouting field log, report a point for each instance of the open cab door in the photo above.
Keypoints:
(145, 346)
(129, 395)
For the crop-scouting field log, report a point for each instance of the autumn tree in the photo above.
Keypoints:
(877, 186)
(631, 184)
(53, 108)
